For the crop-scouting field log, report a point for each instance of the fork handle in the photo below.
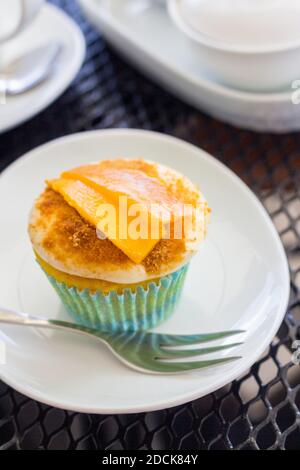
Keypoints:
(15, 318)
(9, 317)
(23, 319)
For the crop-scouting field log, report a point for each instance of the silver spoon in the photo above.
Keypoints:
(142, 351)
(29, 70)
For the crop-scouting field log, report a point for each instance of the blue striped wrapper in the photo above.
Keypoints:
(143, 309)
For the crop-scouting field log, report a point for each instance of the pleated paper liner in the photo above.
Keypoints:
(142, 309)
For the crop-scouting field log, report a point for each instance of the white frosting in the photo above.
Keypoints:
(131, 273)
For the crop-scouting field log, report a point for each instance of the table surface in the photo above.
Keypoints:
(261, 410)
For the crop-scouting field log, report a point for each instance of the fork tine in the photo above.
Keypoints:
(177, 354)
(177, 340)
(174, 367)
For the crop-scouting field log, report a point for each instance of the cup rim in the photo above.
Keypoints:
(205, 40)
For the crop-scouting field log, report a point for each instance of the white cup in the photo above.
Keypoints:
(260, 66)
(15, 16)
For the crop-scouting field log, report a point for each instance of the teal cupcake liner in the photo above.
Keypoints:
(143, 309)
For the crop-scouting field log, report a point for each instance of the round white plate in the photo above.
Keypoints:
(239, 279)
(51, 24)
(129, 26)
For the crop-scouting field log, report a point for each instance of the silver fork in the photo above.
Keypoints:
(142, 351)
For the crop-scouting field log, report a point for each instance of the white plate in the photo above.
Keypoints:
(239, 279)
(142, 31)
(51, 24)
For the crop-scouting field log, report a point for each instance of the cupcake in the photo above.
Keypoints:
(115, 239)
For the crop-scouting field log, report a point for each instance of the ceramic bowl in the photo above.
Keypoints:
(270, 68)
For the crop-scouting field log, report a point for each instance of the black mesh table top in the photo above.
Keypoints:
(260, 410)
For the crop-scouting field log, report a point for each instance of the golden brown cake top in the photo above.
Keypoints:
(63, 221)
(67, 241)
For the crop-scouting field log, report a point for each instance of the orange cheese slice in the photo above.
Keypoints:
(137, 195)
(87, 201)
(137, 186)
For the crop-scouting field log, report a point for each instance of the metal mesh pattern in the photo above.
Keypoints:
(260, 410)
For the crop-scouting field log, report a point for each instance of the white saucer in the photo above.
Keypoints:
(143, 32)
(240, 279)
(51, 24)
